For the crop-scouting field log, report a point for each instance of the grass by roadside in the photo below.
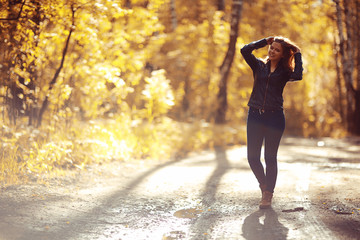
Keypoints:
(32, 154)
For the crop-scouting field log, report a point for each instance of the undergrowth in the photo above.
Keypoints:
(35, 154)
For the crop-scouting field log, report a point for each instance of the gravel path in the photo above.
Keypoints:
(208, 195)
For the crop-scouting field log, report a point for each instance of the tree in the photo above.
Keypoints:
(347, 43)
(56, 75)
(173, 14)
(19, 58)
(221, 5)
(357, 51)
(220, 115)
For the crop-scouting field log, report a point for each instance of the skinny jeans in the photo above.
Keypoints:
(264, 127)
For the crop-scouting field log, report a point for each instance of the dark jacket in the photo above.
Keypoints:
(268, 87)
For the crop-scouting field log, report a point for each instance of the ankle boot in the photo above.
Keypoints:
(266, 200)
(263, 188)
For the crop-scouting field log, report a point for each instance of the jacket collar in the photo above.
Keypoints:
(279, 65)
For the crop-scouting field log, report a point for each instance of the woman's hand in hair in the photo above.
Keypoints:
(269, 40)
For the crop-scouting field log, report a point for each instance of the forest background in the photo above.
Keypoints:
(88, 81)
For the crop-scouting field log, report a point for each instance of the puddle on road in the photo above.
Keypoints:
(342, 209)
(188, 213)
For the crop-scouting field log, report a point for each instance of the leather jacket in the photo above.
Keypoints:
(268, 87)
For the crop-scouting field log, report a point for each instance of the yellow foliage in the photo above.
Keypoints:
(158, 95)
(37, 153)
(128, 69)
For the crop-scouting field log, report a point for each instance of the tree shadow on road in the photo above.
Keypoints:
(206, 221)
(270, 229)
(104, 214)
(208, 195)
(314, 150)
(88, 220)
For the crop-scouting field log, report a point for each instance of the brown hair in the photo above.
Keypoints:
(289, 49)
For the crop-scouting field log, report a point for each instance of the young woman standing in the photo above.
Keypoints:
(266, 120)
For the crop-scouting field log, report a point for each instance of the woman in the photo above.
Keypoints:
(266, 121)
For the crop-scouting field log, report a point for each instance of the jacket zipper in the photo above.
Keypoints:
(262, 110)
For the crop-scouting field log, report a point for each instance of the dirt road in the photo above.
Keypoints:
(209, 195)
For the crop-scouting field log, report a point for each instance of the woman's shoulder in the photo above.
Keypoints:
(262, 62)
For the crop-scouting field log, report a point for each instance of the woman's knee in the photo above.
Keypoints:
(271, 160)
(254, 160)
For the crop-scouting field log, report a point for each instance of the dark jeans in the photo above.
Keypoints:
(267, 127)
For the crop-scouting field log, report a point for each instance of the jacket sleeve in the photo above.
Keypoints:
(296, 75)
(246, 51)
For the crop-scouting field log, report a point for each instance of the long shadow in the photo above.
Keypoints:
(85, 220)
(222, 166)
(207, 220)
(347, 146)
(270, 229)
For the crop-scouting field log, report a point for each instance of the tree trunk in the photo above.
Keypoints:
(349, 67)
(347, 59)
(357, 53)
(220, 115)
(357, 113)
(173, 15)
(128, 4)
(221, 5)
(185, 101)
(357, 39)
(340, 107)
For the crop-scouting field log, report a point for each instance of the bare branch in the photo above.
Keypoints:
(53, 81)
(17, 17)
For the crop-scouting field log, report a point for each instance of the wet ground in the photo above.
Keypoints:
(208, 195)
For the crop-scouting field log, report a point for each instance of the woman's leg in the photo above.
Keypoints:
(255, 137)
(275, 126)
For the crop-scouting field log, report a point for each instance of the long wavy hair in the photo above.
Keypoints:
(289, 49)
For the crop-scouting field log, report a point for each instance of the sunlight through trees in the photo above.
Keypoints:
(158, 74)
